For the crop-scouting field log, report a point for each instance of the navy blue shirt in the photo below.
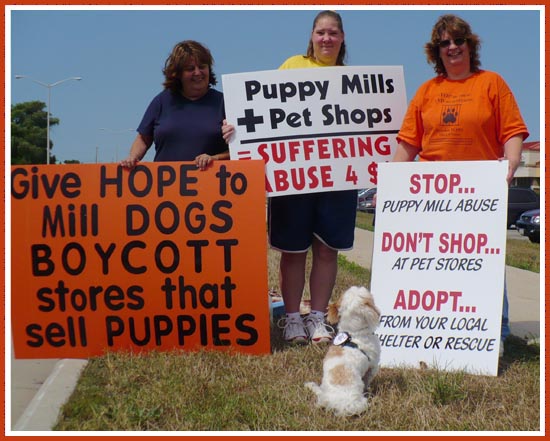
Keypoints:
(183, 129)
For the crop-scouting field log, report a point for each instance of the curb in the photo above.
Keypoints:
(43, 410)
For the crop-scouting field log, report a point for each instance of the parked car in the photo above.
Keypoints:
(364, 200)
(520, 200)
(528, 225)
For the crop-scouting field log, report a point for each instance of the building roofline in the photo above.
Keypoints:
(533, 146)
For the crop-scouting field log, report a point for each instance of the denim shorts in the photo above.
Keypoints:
(294, 220)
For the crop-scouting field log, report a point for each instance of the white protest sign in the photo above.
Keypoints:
(438, 263)
(316, 129)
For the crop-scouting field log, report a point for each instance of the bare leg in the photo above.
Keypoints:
(292, 278)
(323, 275)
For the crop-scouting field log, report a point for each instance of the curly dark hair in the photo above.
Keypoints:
(332, 14)
(457, 28)
(182, 54)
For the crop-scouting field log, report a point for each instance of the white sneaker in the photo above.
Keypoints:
(317, 330)
(293, 330)
(501, 349)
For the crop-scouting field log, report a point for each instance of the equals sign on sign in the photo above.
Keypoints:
(244, 154)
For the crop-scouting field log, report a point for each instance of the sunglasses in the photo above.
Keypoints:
(447, 43)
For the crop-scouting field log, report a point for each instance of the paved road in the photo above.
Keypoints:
(514, 234)
(26, 378)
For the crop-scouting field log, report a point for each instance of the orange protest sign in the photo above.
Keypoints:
(164, 256)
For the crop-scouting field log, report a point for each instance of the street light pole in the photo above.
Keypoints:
(49, 87)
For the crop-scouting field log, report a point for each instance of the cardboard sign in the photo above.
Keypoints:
(316, 129)
(164, 256)
(438, 263)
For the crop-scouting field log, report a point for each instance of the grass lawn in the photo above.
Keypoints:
(216, 391)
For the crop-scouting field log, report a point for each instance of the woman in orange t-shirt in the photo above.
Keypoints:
(462, 114)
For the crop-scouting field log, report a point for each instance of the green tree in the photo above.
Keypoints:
(28, 133)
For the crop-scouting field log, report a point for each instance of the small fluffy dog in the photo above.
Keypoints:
(352, 360)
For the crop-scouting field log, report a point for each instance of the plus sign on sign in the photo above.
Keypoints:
(316, 129)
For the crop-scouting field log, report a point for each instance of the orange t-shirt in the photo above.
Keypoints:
(461, 120)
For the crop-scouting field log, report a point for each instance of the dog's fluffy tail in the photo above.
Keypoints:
(313, 387)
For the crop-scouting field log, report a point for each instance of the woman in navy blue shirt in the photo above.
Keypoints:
(184, 121)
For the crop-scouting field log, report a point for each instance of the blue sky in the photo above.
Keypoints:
(119, 53)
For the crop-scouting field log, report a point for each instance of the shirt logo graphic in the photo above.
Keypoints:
(449, 115)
